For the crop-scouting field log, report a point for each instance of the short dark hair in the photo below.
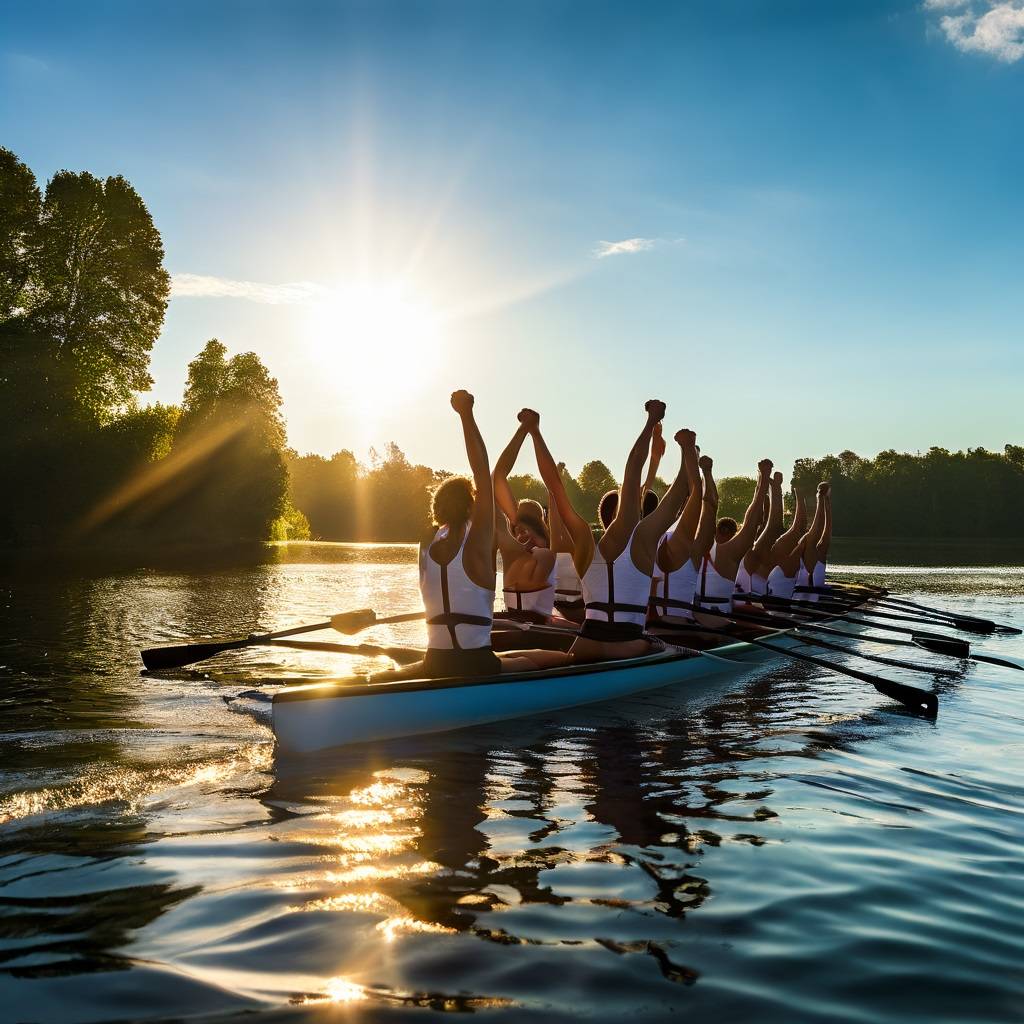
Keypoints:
(727, 525)
(452, 501)
(607, 507)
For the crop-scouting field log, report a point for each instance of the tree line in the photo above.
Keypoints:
(83, 293)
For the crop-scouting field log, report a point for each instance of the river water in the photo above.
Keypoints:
(784, 845)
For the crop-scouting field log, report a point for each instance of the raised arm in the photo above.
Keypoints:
(503, 496)
(772, 528)
(809, 541)
(655, 525)
(570, 521)
(657, 454)
(826, 531)
(481, 529)
(627, 514)
(741, 543)
(790, 541)
(708, 512)
(561, 539)
(680, 545)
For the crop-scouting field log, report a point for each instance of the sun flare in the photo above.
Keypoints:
(371, 336)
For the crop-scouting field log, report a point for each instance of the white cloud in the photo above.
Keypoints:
(202, 286)
(993, 27)
(626, 246)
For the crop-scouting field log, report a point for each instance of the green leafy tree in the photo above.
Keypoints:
(594, 480)
(97, 289)
(19, 220)
(229, 448)
(734, 495)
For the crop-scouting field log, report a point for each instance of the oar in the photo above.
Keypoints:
(958, 619)
(179, 655)
(965, 625)
(802, 629)
(403, 655)
(920, 701)
(943, 644)
(951, 646)
(986, 624)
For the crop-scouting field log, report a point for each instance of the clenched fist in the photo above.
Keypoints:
(655, 409)
(462, 402)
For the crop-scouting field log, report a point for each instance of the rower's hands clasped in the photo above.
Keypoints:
(686, 438)
(764, 467)
(530, 419)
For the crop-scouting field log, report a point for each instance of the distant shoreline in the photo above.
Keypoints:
(847, 551)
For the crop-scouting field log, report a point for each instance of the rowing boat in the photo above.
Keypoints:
(339, 713)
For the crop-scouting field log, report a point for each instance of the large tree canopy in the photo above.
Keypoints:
(19, 220)
(97, 288)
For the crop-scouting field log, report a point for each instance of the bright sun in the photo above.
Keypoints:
(370, 335)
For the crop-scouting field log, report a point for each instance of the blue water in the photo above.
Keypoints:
(785, 845)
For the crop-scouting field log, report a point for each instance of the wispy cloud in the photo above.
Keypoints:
(25, 63)
(992, 27)
(202, 286)
(623, 248)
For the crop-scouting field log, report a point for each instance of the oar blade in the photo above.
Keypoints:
(921, 701)
(952, 646)
(354, 621)
(179, 655)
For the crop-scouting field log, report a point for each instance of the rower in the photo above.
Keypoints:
(617, 571)
(528, 562)
(683, 547)
(752, 574)
(717, 573)
(821, 554)
(786, 551)
(457, 575)
(568, 585)
(804, 589)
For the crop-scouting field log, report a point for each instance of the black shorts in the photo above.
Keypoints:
(441, 663)
(521, 615)
(611, 632)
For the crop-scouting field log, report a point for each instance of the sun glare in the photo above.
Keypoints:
(371, 336)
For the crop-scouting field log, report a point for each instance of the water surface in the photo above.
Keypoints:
(783, 844)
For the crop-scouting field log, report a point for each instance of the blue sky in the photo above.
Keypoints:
(797, 223)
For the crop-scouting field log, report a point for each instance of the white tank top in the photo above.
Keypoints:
(568, 587)
(616, 591)
(539, 602)
(750, 583)
(779, 584)
(804, 583)
(459, 611)
(714, 591)
(675, 590)
(819, 574)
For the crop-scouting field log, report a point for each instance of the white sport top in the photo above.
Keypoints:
(779, 584)
(804, 589)
(538, 602)
(568, 586)
(616, 591)
(459, 611)
(750, 583)
(714, 591)
(819, 574)
(675, 590)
